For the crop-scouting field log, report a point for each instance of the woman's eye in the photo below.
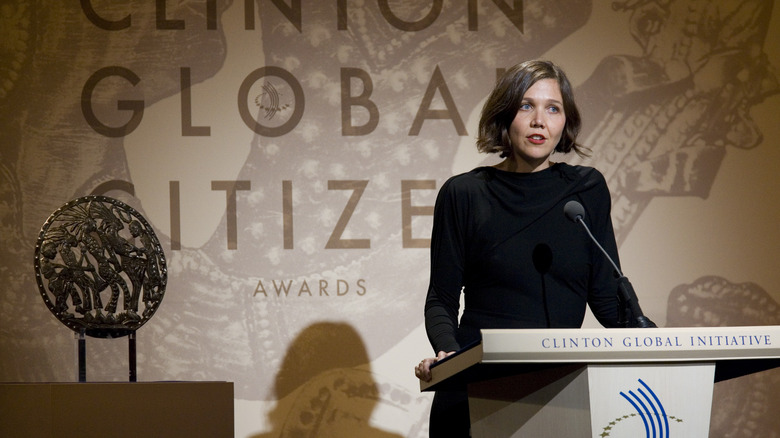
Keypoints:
(525, 106)
(555, 109)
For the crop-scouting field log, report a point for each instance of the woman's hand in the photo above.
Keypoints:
(423, 369)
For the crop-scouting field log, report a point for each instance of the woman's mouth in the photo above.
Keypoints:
(536, 139)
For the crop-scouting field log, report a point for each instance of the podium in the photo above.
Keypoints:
(601, 382)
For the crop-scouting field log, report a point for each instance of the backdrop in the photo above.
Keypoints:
(288, 155)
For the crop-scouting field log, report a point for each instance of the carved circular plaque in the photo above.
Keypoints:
(99, 266)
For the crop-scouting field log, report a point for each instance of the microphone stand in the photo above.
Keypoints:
(627, 299)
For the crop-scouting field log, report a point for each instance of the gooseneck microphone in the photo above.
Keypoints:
(574, 211)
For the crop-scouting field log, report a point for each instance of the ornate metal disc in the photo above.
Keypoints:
(99, 266)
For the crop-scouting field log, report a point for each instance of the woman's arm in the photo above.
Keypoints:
(447, 267)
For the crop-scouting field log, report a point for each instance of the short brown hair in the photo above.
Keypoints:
(504, 101)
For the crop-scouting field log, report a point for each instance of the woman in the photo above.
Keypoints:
(500, 234)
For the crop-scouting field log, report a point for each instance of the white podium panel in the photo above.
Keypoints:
(671, 400)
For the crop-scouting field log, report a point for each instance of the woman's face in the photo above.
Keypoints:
(537, 126)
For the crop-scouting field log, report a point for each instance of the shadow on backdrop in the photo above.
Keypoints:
(325, 387)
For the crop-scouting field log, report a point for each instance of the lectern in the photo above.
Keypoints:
(602, 382)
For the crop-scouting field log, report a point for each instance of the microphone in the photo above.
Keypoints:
(574, 211)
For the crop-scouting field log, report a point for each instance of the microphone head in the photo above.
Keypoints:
(574, 210)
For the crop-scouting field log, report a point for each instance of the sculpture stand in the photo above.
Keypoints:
(131, 356)
(81, 354)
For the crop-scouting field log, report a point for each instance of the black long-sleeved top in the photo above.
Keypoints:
(503, 239)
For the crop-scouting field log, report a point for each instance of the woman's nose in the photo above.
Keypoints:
(537, 121)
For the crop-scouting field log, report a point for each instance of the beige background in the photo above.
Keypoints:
(716, 246)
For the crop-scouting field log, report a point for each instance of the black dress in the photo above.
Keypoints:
(503, 240)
